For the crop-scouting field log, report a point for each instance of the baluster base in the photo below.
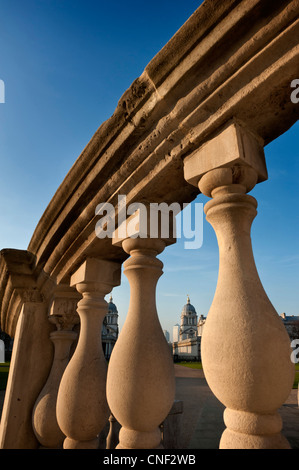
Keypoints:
(235, 440)
(129, 439)
(247, 430)
(73, 444)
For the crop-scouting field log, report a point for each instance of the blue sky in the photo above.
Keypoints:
(65, 64)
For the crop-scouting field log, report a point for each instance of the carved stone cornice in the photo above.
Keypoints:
(197, 82)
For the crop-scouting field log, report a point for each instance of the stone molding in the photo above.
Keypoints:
(17, 285)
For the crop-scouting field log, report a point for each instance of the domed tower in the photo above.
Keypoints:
(188, 328)
(112, 315)
(110, 328)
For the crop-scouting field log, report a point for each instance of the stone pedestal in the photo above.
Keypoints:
(245, 347)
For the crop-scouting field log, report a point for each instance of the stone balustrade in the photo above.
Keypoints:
(196, 121)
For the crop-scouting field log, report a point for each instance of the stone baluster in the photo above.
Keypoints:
(245, 348)
(140, 380)
(82, 409)
(63, 314)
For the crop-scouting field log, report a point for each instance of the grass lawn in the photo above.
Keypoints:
(4, 368)
(191, 365)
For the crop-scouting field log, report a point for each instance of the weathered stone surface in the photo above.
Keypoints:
(195, 84)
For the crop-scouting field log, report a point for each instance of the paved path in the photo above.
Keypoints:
(202, 421)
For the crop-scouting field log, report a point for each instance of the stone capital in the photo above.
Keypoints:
(97, 271)
(63, 307)
(233, 147)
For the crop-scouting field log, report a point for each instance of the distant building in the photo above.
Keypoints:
(110, 329)
(186, 347)
(109, 336)
(188, 328)
(291, 322)
(166, 334)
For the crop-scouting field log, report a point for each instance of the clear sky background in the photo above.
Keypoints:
(65, 64)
